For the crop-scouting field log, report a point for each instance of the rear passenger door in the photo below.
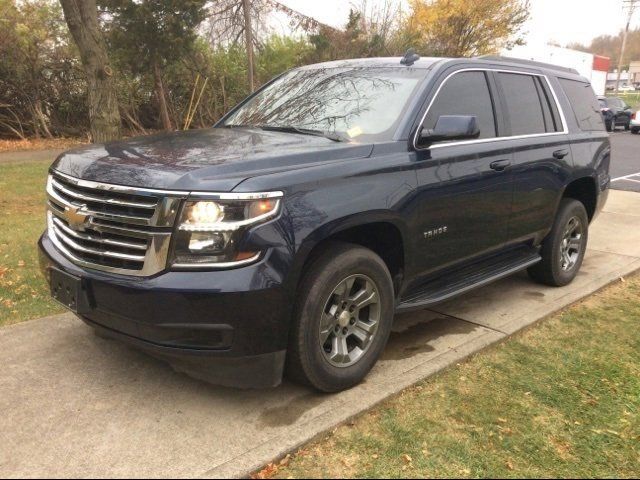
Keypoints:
(541, 152)
(465, 189)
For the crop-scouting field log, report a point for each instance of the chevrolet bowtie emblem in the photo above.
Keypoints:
(76, 217)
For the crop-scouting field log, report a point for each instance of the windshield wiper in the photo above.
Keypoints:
(304, 131)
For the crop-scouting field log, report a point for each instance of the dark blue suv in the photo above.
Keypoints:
(285, 238)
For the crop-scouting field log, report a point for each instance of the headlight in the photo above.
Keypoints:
(209, 231)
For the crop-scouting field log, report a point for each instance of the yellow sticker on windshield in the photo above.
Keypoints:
(354, 132)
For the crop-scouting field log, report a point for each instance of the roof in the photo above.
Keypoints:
(529, 63)
(378, 62)
(426, 63)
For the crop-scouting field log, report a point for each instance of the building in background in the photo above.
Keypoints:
(593, 67)
(634, 72)
(612, 78)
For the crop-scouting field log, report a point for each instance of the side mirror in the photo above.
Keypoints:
(451, 127)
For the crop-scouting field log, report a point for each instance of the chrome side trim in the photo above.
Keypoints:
(565, 129)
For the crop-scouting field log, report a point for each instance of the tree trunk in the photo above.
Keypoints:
(162, 98)
(248, 37)
(82, 19)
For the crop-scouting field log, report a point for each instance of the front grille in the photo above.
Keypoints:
(110, 227)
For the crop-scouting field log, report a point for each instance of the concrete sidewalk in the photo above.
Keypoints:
(74, 405)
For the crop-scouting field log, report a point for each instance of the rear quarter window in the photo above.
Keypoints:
(522, 96)
(584, 104)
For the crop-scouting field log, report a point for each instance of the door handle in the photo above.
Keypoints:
(500, 165)
(560, 154)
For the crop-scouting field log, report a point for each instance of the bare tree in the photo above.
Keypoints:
(230, 20)
(82, 19)
(248, 35)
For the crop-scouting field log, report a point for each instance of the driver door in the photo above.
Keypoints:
(465, 187)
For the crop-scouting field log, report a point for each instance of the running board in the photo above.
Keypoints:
(474, 276)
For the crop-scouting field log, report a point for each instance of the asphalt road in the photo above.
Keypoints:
(625, 162)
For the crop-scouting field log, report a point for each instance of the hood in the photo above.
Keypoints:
(213, 159)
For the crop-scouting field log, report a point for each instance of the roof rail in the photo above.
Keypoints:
(532, 63)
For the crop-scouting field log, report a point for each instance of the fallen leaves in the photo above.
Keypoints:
(39, 144)
(7, 303)
(271, 469)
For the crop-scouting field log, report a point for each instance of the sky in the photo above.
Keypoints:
(560, 21)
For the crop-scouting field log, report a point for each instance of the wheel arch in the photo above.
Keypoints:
(585, 190)
(380, 231)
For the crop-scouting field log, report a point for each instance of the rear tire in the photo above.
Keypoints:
(564, 248)
(334, 342)
(635, 131)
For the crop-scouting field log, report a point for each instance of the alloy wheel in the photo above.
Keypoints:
(572, 244)
(350, 320)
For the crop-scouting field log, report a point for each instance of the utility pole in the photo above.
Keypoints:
(631, 5)
(248, 38)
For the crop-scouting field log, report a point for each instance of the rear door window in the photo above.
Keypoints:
(584, 104)
(466, 93)
(528, 108)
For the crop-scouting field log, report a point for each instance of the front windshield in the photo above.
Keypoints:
(349, 102)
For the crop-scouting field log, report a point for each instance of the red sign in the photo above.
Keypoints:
(601, 64)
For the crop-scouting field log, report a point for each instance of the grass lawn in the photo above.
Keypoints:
(561, 399)
(23, 293)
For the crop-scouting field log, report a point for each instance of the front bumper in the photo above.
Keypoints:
(225, 327)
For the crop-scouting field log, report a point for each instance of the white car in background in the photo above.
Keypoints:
(635, 123)
(627, 88)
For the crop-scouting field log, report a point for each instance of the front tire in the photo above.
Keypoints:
(343, 318)
(635, 131)
(564, 248)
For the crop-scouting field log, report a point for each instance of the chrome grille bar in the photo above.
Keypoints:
(91, 238)
(80, 196)
(101, 253)
(111, 228)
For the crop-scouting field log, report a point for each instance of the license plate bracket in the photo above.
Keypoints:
(69, 290)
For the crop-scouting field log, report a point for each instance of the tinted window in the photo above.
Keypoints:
(354, 102)
(585, 106)
(466, 93)
(524, 104)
